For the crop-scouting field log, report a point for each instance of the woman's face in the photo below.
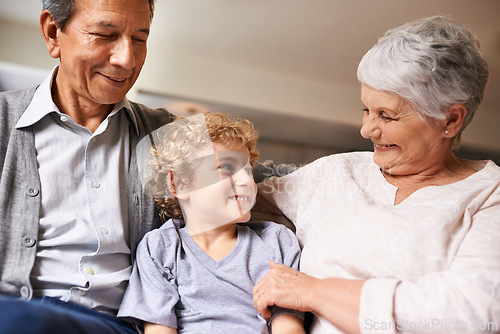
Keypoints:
(404, 143)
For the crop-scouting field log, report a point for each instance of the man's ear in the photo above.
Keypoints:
(50, 33)
(176, 188)
(455, 119)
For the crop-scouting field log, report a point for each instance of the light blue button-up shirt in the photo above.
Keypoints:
(83, 251)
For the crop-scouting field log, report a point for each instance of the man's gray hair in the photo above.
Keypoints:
(63, 10)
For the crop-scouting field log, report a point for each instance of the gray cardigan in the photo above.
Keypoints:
(20, 190)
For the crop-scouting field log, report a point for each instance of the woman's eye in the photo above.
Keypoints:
(366, 111)
(385, 117)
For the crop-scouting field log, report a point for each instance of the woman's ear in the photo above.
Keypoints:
(176, 188)
(455, 119)
(50, 33)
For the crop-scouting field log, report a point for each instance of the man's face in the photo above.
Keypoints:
(102, 50)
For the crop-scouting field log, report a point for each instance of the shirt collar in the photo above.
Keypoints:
(42, 104)
(125, 104)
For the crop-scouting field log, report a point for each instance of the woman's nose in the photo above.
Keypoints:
(370, 127)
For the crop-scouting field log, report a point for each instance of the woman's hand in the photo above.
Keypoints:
(284, 287)
(335, 299)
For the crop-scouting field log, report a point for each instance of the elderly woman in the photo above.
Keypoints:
(406, 238)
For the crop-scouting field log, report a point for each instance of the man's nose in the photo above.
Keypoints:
(123, 54)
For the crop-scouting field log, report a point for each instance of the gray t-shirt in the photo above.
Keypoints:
(176, 284)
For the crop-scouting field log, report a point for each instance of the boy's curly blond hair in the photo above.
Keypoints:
(179, 146)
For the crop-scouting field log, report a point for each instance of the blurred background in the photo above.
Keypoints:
(287, 65)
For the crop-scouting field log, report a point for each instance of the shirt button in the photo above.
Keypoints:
(96, 184)
(32, 192)
(28, 241)
(25, 292)
(63, 118)
(90, 271)
(94, 139)
(81, 292)
(104, 231)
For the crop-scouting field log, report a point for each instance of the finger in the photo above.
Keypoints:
(262, 281)
(266, 314)
(261, 306)
(257, 304)
(281, 270)
(258, 286)
(276, 266)
(257, 293)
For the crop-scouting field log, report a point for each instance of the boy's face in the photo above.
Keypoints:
(222, 190)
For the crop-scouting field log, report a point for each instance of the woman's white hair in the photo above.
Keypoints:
(432, 63)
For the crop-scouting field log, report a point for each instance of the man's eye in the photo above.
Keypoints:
(139, 40)
(102, 36)
(366, 111)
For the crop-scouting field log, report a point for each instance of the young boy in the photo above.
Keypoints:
(196, 273)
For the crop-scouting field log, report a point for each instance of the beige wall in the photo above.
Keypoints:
(23, 44)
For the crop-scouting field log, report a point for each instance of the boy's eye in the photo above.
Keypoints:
(226, 167)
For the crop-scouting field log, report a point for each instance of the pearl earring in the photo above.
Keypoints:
(446, 131)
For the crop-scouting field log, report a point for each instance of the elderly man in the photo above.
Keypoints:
(72, 208)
